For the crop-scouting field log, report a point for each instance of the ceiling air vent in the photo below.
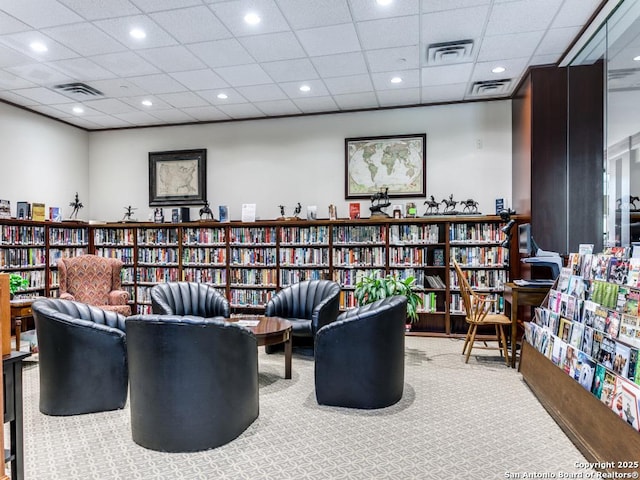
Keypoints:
(449, 52)
(78, 90)
(491, 87)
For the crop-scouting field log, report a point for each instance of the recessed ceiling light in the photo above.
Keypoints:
(223, 96)
(38, 47)
(78, 110)
(147, 103)
(396, 80)
(637, 59)
(137, 33)
(384, 2)
(498, 70)
(252, 18)
(305, 88)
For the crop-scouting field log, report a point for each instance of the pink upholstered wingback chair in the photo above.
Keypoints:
(95, 281)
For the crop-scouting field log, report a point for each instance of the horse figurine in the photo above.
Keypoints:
(431, 206)
(298, 209)
(128, 214)
(470, 206)
(450, 204)
(380, 200)
(205, 212)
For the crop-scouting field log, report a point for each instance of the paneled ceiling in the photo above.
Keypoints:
(200, 60)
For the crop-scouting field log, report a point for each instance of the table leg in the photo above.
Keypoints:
(18, 328)
(287, 357)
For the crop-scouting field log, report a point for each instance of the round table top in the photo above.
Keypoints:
(266, 326)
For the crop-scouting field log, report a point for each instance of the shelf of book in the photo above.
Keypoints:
(584, 340)
(248, 262)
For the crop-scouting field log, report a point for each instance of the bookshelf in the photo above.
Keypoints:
(248, 262)
(580, 358)
(23, 250)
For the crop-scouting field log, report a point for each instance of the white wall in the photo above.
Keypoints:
(301, 159)
(42, 161)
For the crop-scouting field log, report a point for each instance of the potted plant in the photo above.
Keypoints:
(16, 282)
(374, 287)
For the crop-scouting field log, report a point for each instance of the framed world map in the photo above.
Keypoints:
(397, 163)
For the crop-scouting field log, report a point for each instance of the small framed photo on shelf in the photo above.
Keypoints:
(396, 163)
(178, 177)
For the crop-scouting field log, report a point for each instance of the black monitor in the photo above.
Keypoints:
(524, 239)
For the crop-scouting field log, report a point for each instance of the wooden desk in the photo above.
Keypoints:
(20, 312)
(12, 380)
(518, 296)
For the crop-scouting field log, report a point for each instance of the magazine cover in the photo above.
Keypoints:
(587, 340)
(598, 381)
(576, 335)
(621, 359)
(607, 351)
(612, 324)
(589, 313)
(630, 329)
(625, 402)
(585, 371)
(608, 387)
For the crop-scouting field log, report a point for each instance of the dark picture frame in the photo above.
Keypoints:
(396, 162)
(178, 177)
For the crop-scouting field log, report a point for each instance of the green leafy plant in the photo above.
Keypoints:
(16, 282)
(373, 287)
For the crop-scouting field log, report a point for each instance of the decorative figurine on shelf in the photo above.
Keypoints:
(128, 214)
(379, 200)
(333, 212)
(630, 201)
(298, 209)
(433, 207)
(281, 207)
(77, 205)
(205, 212)
(158, 215)
(470, 206)
(450, 205)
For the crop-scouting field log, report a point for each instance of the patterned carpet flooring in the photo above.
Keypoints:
(455, 421)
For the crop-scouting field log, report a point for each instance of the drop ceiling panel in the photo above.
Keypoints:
(39, 73)
(172, 59)
(508, 18)
(242, 75)
(454, 25)
(41, 95)
(340, 65)
(82, 68)
(98, 9)
(8, 24)
(555, 40)
(574, 13)
(316, 104)
(40, 14)
(350, 84)
(273, 46)
(407, 96)
(109, 106)
(262, 93)
(206, 114)
(368, 10)
(410, 79)
(318, 13)
(159, 83)
(406, 31)
(240, 110)
(138, 118)
(125, 64)
(355, 101)
(443, 93)
(199, 79)
(515, 45)
(172, 116)
(191, 25)
(439, 5)
(232, 15)
(292, 89)
(278, 107)
(221, 53)
(119, 29)
(446, 74)
(181, 100)
(394, 59)
(329, 40)
(95, 41)
(9, 80)
(233, 96)
(290, 70)
(20, 42)
(9, 57)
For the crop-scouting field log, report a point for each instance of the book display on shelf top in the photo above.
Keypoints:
(248, 262)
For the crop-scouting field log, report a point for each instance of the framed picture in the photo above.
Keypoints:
(178, 177)
(397, 163)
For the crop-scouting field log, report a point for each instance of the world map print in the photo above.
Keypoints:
(396, 164)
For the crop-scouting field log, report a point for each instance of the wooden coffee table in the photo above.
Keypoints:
(269, 331)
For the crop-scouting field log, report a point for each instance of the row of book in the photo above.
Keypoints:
(254, 277)
(481, 279)
(68, 236)
(157, 274)
(23, 257)
(22, 235)
(158, 236)
(359, 256)
(215, 276)
(56, 254)
(249, 298)
(260, 235)
(318, 235)
(408, 233)
(476, 232)
(480, 256)
(114, 236)
(359, 234)
(291, 276)
(203, 236)
(252, 256)
(123, 254)
(304, 256)
(456, 306)
(161, 256)
(209, 256)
